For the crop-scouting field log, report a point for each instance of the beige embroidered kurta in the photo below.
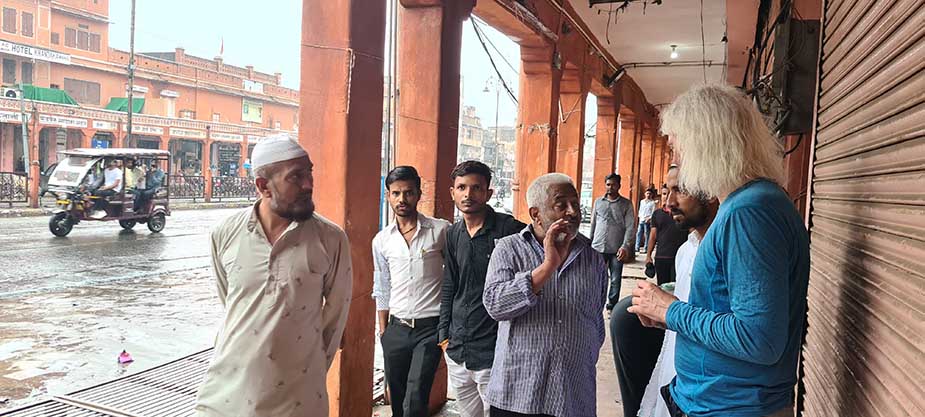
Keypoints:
(285, 310)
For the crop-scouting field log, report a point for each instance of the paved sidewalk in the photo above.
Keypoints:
(19, 210)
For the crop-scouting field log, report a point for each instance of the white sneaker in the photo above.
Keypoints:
(98, 214)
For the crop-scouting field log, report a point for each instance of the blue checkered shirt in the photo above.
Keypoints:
(548, 343)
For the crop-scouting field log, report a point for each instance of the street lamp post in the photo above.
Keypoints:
(495, 83)
(131, 78)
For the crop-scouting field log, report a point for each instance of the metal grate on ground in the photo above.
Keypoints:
(168, 390)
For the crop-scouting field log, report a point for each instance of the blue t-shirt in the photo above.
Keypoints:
(739, 334)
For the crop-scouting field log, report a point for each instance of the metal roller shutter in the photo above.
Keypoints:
(864, 353)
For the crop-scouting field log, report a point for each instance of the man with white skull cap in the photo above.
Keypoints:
(284, 276)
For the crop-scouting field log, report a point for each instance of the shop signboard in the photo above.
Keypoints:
(228, 153)
(187, 133)
(52, 120)
(104, 125)
(34, 53)
(13, 117)
(228, 137)
(146, 130)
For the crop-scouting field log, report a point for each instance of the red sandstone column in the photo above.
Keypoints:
(87, 140)
(537, 120)
(241, 157)
(33, 168)
(206, 163)
(645, 173)
(341, 127)
(571, 135)
(605, 149)
(659, 161)
(626, 166)
(429, 51)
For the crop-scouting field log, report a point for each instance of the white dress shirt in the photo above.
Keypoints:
(285, 310)
(407, 279)
(652, 403)
(646, 209)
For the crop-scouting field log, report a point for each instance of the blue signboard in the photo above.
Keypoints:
(100, 143)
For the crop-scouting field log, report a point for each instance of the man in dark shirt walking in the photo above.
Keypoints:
(466, 330)
(668, 237)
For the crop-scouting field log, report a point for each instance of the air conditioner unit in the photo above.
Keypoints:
(10, 92)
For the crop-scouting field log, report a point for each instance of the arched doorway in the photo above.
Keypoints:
(187, 157)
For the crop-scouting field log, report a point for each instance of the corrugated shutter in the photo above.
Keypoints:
(865, 346)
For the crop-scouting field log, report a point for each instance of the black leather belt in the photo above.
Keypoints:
(412, 323)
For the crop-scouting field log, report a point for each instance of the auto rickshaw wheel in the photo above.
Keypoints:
(156, 222)
(60, 224)
(127, 224)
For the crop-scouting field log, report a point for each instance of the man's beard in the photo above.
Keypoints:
(691, 220)
(297, 211)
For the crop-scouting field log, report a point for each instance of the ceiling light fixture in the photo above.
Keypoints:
(674, 52)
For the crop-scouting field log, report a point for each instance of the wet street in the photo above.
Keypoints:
(71, 305)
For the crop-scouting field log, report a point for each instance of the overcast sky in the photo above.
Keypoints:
(267, 36)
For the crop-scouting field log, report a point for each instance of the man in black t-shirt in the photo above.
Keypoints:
(668, 237)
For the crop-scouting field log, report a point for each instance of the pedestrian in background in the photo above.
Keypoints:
(612, 229)
(739, 334)
(545, 286)
(646, 208)
(284, 276)
(664, 239)
(466, 330)
(408, 265)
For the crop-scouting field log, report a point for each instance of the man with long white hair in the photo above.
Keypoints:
(739, 333)
(545, 286)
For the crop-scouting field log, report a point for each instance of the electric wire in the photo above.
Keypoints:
(492, 44)
(703, 43)
(493, 65)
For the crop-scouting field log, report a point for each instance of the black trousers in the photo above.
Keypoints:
(100, 203)
(664, 270)
(411, 360)
(635, 352)
(497, 412)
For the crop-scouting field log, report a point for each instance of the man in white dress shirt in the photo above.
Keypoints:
(695, 214)
(408, 262)
(284, 277)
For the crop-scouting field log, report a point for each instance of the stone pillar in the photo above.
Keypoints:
(537, 121)
(32, 134)
(207, 166)
(605, 144)
(241, 171)
(121, 136)
(626, 166)
(571, 134)
(429, 51)
(659, 162)
(87, 140)
(648, 148)
(341, 112)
